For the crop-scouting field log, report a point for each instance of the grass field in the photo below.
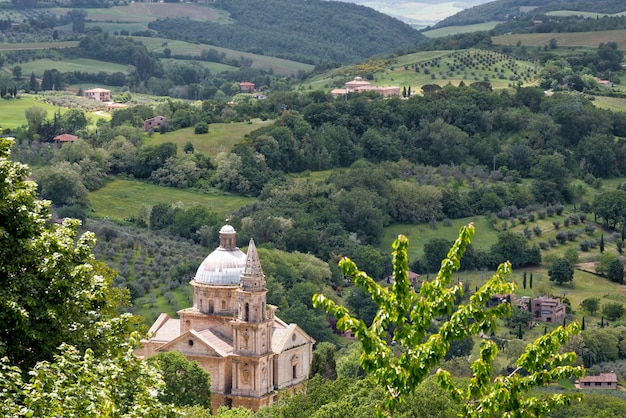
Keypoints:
(12, 111)
(264, 62)
(37, 45)
(214, 67)
(585, 15)
(615, 104)
(78, 64)
(454, 30)
(588, 39)
(121, 199)
(221, 136)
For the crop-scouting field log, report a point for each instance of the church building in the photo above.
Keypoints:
(232, 333)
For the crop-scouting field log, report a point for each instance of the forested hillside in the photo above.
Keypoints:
(504, 10)
(306, 31)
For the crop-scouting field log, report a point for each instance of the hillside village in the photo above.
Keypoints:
(347, 156)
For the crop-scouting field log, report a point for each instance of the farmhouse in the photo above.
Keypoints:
(601, 381)
(154, 122)
(247, 87)
(101, 95)
(59, 140)
(232, 333)
(546, 309)
(360, 85)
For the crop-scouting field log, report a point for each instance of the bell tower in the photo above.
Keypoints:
(253, 368)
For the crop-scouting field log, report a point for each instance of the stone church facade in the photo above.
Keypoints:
(232, 333)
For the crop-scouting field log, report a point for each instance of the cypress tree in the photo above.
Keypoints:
(531, 279)
(602, 243)
(33, 85)
(524, 282)
(583, 324)
(519, 332)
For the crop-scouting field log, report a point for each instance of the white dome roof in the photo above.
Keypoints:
(222, 267)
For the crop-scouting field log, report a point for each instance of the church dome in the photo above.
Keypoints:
(223, 266)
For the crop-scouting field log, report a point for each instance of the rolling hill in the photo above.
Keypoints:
(503, 10)
(311, 32)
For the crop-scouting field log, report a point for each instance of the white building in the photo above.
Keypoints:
(232, 333)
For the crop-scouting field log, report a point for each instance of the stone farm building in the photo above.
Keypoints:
(360, 85)
(601, 381)
(546, 309)
(154, 122)
(232, 333)
(101, 95)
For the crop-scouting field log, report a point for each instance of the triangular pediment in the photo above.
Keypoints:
(199, 343)
(289, 337)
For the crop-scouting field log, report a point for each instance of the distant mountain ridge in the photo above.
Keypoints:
(306, 31)
(502, 10)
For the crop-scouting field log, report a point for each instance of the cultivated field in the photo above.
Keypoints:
(437, 67)
(586, 39)
(78, 64)
(586, 15)
(454, 30)
(37, 45)
(279, 65)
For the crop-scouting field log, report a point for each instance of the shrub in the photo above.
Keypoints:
(537, 230)
(561, 237)
(556, 224)
(201, 128)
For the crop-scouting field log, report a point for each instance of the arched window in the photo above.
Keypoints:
(223, 305)
(247, 313)
(211, 307)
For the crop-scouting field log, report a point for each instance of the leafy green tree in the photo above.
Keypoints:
(435, 250)
(514, 248)
(604, 262)
(186, 383)
(615, 272)
(591, 305)
(411, 314)
(54, 290)
(561, 271)
(613, 310)
(323, 361)
(611, 207)
(35, 116)
(63, 185)
(76, 384)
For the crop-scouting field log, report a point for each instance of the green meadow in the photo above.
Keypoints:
(264, 62)
(221, 136)
(12, 111)
(121, 199)
(455, 30)
(77, 64)
(586, 39)
(585, 15)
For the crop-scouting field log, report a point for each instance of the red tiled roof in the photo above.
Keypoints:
(602, 377)
(65, 138)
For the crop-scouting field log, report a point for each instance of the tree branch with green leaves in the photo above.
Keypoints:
(405, 317)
